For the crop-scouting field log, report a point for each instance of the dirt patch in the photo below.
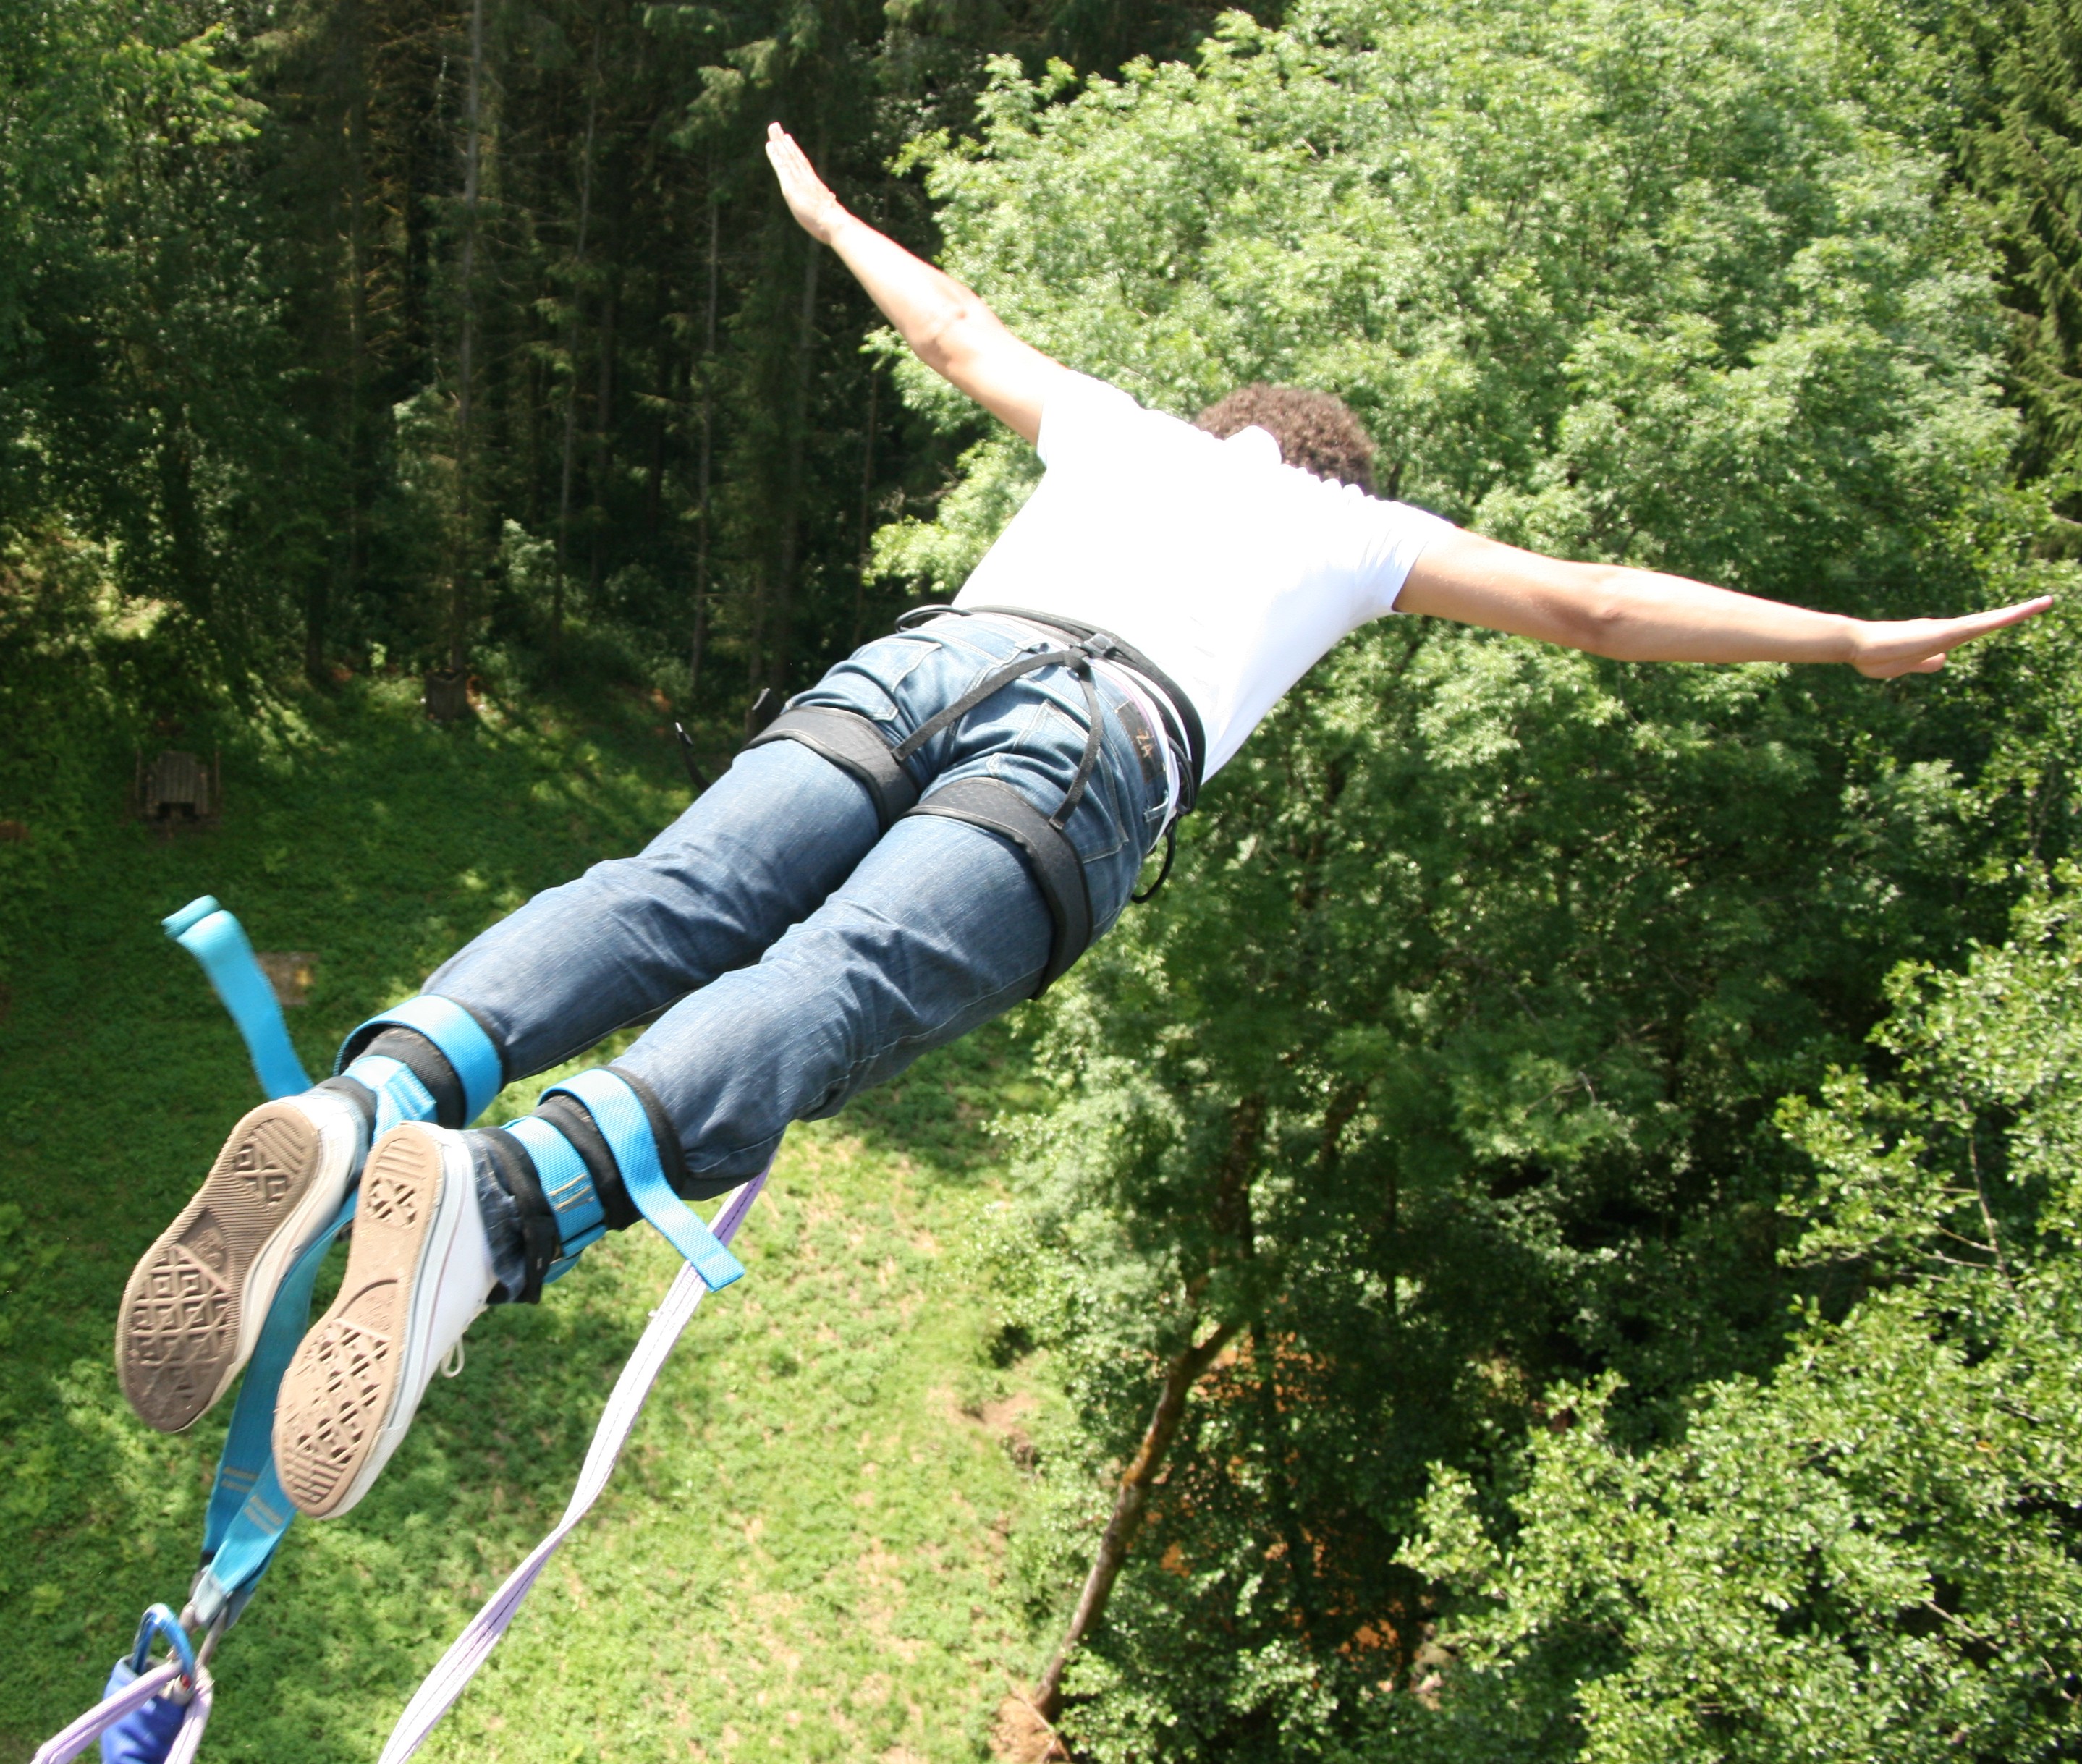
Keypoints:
(1003, 1414)
(1019, 1736)
(1004, 1418)
(289, 972)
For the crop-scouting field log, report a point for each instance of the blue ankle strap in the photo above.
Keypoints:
(567, 1186)
(399, 1095)
(460, 1038)
(618, 1112)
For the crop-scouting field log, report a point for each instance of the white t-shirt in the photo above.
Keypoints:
(1231, 572)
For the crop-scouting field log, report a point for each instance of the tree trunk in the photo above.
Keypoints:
(700, 638)
(783, 610)
(1233, 1223)
(1301, 1557)
(572, 355)
(461, 598)
(866, 504)
(358, 465)
(603, 421)
(186, 551)
(336, 585)
(654, 487)
(1129, 1506)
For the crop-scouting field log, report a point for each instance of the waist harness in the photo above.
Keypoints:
(857, 745)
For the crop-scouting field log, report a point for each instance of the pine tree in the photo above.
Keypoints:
(2027, 161)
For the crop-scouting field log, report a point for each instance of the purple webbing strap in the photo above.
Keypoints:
(73, 1739)
(188, 1741)
(625, 1403)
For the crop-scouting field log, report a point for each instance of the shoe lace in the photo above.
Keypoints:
(452, 1364)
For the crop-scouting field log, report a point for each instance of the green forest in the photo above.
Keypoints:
(1558, 1235)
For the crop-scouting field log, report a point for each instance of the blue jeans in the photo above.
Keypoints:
(799, 957)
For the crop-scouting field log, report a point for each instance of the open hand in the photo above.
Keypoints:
(812, 204)
(1888, 647)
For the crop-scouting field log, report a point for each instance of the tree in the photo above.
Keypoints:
(1871, 1552)
(2024, 159)
(138, 412)
(1444, 1072)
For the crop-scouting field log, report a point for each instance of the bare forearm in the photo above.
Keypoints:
(930, 309)
(1644, 615)
(950, 330)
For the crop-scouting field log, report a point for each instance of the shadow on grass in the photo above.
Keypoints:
(940, 1113)
(355, 831)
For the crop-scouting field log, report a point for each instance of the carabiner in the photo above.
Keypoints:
(159, 1619)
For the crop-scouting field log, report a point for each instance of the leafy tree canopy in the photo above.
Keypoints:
(1871, 1553)
(1445, 1070)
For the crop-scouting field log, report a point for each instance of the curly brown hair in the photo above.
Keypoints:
(1315, 430)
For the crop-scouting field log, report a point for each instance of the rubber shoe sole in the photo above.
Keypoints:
(195, 1304)
(352, 1389)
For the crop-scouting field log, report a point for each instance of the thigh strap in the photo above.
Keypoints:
(1058, 872)
(855, 744)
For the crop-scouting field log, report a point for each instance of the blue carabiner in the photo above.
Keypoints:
(160, 1620)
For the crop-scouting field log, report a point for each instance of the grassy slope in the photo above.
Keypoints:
(800, 1557)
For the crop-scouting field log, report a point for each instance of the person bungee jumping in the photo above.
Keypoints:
(934, 831)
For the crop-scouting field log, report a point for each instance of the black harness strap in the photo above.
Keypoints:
(1090, 756)
(1056, 868)
(996, 681)
(855, 744)
(1079, 662)
(517, 1175)
(1171, 695)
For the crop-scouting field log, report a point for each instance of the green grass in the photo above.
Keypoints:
(800, 1556)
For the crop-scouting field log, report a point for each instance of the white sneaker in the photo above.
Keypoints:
(418, 1272)
(195, 1304)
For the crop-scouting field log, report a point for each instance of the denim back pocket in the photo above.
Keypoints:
(869, 680)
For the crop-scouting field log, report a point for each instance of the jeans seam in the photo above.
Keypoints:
(1021, 987)
(994, 767)
(925, 648)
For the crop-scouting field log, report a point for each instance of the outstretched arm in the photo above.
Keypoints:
(1644, 615)
(953, 332)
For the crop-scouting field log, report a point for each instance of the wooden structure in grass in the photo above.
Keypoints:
(176, 789)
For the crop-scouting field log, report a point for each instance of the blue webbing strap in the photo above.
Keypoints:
(618, 1113)
(214, 938)
(248, 1511)
(400, 1096)
(567, 1186)
(461, 1039)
